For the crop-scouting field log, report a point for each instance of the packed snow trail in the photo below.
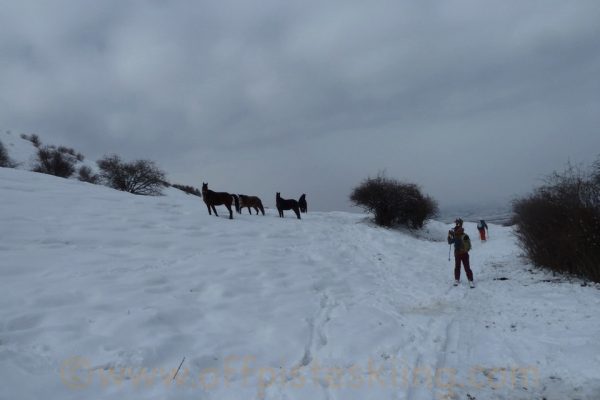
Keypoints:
(104, 293)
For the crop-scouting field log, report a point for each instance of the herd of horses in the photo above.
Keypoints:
(241, 201)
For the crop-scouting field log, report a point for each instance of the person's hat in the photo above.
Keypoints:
(458, 221)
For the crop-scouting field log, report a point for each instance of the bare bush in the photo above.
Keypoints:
(87, 175)
(67, 150)
(188, 189)
(558, 225)
(5, 160)
(52, 162)
(394, 202)
(33, 138)
(141, 177)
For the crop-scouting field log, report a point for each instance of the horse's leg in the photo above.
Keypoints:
(255, 209)
(297, 211)
(236, 200)
(215, 210)
(209, 212)
(249, 210)
(230, 212)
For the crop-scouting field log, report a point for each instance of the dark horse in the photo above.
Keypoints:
(236, 200)
(302, 204)
(251, 201)
(283, 204)
(213, 199)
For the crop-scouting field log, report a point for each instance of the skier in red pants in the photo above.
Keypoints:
(462, 245)
(482, 228)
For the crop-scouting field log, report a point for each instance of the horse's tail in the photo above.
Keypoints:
(236, 200)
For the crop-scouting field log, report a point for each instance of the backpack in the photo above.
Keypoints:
(461, 241)
(467, 243)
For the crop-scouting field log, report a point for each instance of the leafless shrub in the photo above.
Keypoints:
(141, 177)
(394, 202)
(5, 160)
(52, 162)
(558, 225)
(188, 189)
(87, 175)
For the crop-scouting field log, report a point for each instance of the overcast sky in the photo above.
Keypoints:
(473, 100)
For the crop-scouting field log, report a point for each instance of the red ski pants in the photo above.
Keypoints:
(465, 260)
(482, 234)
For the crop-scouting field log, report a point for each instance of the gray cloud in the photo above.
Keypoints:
(475, 101)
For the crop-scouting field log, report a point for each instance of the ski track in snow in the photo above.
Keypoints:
(315, 306)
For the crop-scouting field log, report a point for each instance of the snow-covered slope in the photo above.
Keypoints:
(24, 153)
(21, 151)
(104, 293)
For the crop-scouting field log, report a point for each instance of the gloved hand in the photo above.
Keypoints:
(450, 236)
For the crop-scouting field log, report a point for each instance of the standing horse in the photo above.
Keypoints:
(251, 201)
(302, 203)
(213, 199)
(284, 204)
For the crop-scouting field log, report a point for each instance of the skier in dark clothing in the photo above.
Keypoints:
(482, 228)
(462, 245)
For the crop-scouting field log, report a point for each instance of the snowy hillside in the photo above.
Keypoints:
(104, 293)
(20, 151)
(24, 153)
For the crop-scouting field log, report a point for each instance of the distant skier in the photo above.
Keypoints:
(462, 245)
(483, 229)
